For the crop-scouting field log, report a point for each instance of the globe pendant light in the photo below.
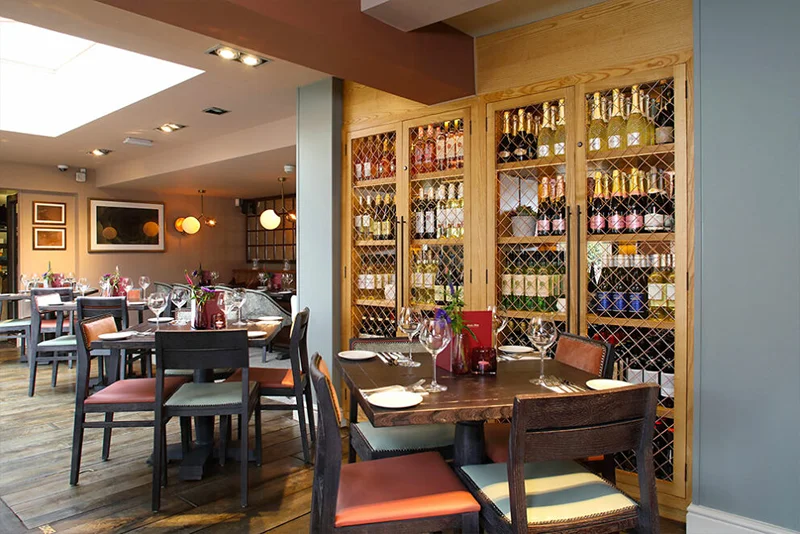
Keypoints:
(270, 219)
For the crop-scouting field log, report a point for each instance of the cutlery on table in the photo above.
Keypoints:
(382, 358)
(398, 387)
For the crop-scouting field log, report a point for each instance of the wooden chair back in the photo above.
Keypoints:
(64, 294)
(565, 427)
(590, 355)
(298, 345)
(117, 307)
(328, 461)
(89, 330)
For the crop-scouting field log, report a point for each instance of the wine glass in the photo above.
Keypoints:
(239, 297)
(435, 335)
(288, 279)
(226, 303)
(105, 285)
(179, 296)
(499, 322)
(262, 279)
(127, 284)
(157, 302)
(144, 283)
(214, 275)
(409, 323)
(24, 282)
(542, 333)
(70, 279)
(83, 285)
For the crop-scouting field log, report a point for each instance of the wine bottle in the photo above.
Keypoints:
(560, 135)
(459, 130)
(441, 213)
(441, 149)
(430, 215)
(386, 169)
(521, 137)
(559, 286)
(389, 217)
(419, 151)
(546, 299)
(531, 282)
(558, 225)
(616, 217)
(619, 293)
(545, 134)
(635, 371)
(655, 214)
(667, 378)
(375, 226)
(636, 127)
(419, 215)
(357, 229)
(450, 144)
(530, 127)
(504, 146)
(665, 119)
(518, 285)
(647, 110)
(656, 291)
(616, 124)
(634, 217)
(597, 127)
(506, 294)
(604, 288)
(669, 288)
(637, 294)
(429, 154)
(597, 209)
(669, 210)
(358, 159)
(459, 211)
(543, 222)
(652, 371)
(440, 288)
(416, 279)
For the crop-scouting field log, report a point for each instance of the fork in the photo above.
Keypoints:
(389, 358)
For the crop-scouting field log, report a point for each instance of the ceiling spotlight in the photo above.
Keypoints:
(100, 152)
(227, 53)
(170, 127)
(250, 61)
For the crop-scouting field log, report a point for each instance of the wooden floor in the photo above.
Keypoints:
(114, 496)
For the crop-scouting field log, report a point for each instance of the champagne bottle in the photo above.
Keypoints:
(419, 215)
(545, 134)
(441, 149)
(597, 209)
(560, 135)
(634, 218)
(521, 138)
(616, 124)
(543, 223)
(558, 224)
(597, 127)
(616, 217)
(530, 126)
(505, 144)
(665, 119)
(655, 214)
(636, 127)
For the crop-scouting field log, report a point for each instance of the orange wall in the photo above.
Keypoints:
(221, 248)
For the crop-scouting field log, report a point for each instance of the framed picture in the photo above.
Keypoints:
(49, 213)
(45, 238)
(120, 226)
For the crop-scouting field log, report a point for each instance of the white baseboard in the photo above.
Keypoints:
(703, 520)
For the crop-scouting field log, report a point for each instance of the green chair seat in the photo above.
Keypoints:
(59, 342)
(407, 438)
(556, 492)
(190, 372)
(13, 324)
(210, 394)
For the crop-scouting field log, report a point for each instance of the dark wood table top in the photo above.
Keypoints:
(148, 341)
(468, 398)
(73, 306)
(26, 295)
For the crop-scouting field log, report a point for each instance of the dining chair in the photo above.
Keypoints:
(117, 307)
(17, 329)
(370, 443)
(414, 493)
(587, 354)
(126, 395)
(293, 382)
(202, 351)
(541, 488)
(53, 350)
(259, 304)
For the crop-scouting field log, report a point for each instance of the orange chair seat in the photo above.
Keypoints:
(50, 324)
(395, 489)
(495, 439)
(267, 378)
(135, 391)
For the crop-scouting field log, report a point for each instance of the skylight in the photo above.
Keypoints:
(51, 82)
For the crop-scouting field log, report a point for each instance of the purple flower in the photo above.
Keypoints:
(207, 289)
(441, 314)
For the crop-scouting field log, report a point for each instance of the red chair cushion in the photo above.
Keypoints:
(576, 353)
(395, 489)
(495, 439)
(50, 324)
(135, 390)
(267, 378)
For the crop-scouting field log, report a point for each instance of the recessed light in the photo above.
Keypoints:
(100, 152)
(170, 127)
(250, 61)
(227, 53)
(216, 111)
(138, 141)
(231, 54)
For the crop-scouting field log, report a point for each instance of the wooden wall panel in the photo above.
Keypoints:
(616, 32)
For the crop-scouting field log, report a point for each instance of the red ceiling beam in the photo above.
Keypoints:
(430, 65)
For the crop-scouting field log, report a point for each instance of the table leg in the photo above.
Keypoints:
(193, 464)
(468, 443)
(112, 369)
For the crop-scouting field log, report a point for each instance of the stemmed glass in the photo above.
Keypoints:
(157, 302)
(288, 280)
(83, 285)
(144, 283)
(25, 283)
(262, 278)
(226, 303)
(214, 275)
(409, 323)
(179, 296)
(127, 284)
(542, 333)
(435, 335)
(239, 297)
(499, 322)
(105, 285)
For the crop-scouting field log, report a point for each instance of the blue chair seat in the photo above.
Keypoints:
(412, 438)
(61, 343)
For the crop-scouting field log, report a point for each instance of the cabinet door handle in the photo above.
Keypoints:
(569, 268)
(578, 267)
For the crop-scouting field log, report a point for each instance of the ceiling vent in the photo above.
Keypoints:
(216, 111)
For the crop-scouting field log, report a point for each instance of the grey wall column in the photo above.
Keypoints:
(747, 359)
(319, 153)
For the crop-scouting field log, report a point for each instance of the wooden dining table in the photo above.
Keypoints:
(192, 466)
(15, 298)
(72, 306)
(470, 400)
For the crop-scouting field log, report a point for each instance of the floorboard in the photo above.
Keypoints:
(114, 496)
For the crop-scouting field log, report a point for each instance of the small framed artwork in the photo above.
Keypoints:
(49, 213)
(121, 226)
(45, 238)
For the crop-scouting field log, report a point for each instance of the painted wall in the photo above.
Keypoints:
(221, 248)
(747, 361)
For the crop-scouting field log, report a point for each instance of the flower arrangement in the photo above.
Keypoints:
(48, 275)
(451, 312)
(200, 293)
(112, 280)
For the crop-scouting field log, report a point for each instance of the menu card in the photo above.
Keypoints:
(480, 322)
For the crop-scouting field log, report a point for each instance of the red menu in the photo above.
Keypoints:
(480, 322)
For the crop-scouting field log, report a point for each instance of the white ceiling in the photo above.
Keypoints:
(255, 96)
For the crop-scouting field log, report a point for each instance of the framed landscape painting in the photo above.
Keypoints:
(49, 213)
(45, 238)
(120, 226)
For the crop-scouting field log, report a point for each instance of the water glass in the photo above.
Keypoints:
(83, 285)
(24, 282)
(409, 322)
(435, 336)
(157, 302)
(144, 283)
(239, 297)
(179, 296)
(542, 333)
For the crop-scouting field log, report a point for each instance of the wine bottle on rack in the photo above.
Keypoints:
(636, 127)
(518, 284)
(458, 211)
(418, 158)
(546, 299)
(366, 219)
(430, 278)
(597, 127)
(655, 210)
(440, 288)
(656, 290)
(429, 156)
(521, 137)
(531, 282)
(560, 135)
(377, 212)
(597, 209)
(506, 295)
(604, 288)
(647, 111)
(459, 126)
(616, 216)
(543, 222)
(558, 225)
(545, 133)
(616, 124)
(669, 288)
(357, 218)
(669, 187)
(559, 284)
(386, 168)
(441, 149)
(635, 371)
(430, 215)
(505, 144)
(389, 217)
(419, 215)
(358, 162)
(637, 291)
(619, 294)
(665, 119)
(667, 378)
(634, 217)
(441, 212)
(530, 127)
(450, 145)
